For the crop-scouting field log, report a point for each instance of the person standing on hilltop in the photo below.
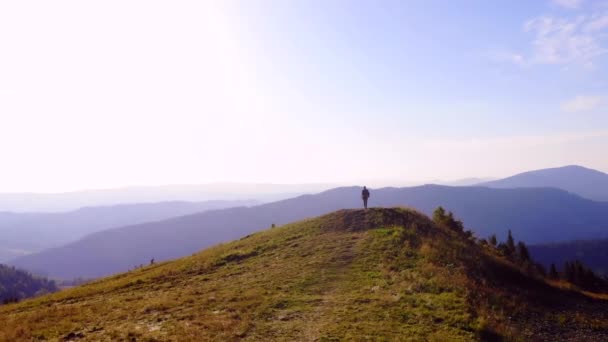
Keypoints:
(365, 196)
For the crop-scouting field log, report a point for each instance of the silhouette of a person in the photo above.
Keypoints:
(365, 196)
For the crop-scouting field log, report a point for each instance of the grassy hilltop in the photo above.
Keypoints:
(381, 274)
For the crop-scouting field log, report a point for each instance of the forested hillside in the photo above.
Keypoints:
(17, 284)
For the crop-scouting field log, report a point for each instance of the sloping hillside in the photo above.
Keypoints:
(382, 274)
(24, 233)
(588, 183)
(534, 215)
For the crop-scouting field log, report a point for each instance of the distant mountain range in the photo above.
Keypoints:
(59, 202)
(585, 182)
(588, 183)
(24, 233)
(535, 215)
(463, 182)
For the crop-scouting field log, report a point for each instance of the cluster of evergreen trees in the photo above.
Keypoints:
(16, 285)
(441, 217)
(516, 252)
(580, 275)
(574, 272)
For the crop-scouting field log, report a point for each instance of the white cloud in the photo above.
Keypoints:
(566, 41)
(597, 23)
(509, 57)
(572, 4)
(574, 40)
(582, 103)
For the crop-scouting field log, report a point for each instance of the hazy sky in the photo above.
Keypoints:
(97, 94)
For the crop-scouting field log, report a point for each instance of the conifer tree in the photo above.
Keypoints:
(553, 272)
(522, 252)
(502, 248)
(568, 272)
(493, 240)
(579, 273)
(439, 215)
(511, 243)
(455, 224)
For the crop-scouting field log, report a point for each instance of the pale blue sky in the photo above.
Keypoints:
(396, 60)
(116, 93)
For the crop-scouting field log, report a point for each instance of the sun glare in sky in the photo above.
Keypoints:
(117, 93)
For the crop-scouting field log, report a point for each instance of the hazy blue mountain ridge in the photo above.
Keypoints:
(535, 215)
(23, 233)
(588, 183)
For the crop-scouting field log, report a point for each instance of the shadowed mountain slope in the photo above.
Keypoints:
(534, 215)
(593, 253)
(382, 274)
(588, 183)
(24, 233)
